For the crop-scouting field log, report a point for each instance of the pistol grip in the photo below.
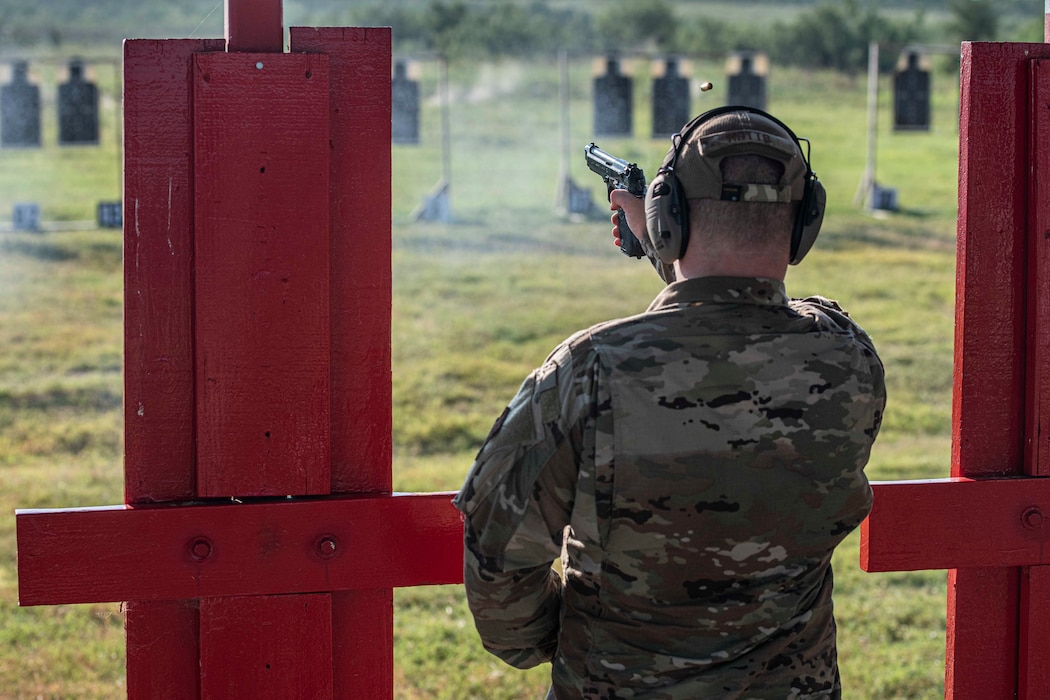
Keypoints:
(629, 244)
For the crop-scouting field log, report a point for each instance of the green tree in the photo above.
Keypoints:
(836, 35)
(630, 24)
(449, 28)
(715, 37)
(459, 30)
(506, 28)
(974, 20)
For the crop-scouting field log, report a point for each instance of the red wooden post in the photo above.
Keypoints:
(259, 541)
(990, 530)
(255, 26)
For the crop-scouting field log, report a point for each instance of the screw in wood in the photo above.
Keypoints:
(1032, 518)
(200, 549)
(326, 546)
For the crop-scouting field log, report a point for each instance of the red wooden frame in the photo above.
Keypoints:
(255, 25)
(957, 523)
(259, 541)
(257, 199)
(261, 288)
(245, 549)
(989, 527)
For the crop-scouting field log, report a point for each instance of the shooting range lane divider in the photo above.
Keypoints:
(988, 523)
(1007, 524)
(259, 543)
(164, 552)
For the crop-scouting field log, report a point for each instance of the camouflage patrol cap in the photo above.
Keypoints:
(738, 132)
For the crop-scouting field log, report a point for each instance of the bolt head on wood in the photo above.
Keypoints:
(327, 546)
(200, 549)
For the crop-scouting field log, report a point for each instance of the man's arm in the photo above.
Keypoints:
(517, 501)
(516, 613)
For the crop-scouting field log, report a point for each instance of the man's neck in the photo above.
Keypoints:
(731, 266)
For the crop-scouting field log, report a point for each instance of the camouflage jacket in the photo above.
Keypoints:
(693, 467)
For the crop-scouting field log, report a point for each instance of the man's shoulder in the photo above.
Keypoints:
(828, 316)
(820, 302)
(827, 312)
(613, 331)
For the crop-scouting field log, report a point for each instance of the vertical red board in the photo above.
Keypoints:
(158, 269)
(1033, 672)
(988, 397)
(163, 650)
(981, 634)
(360, 67)
(363, 638)
(255, 25)
(261, 274)
(266, 647)
(158, 338)
(360, 64)
(1037, 409)
(988, 421)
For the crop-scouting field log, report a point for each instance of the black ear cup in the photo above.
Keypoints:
(666, 216)
(807, 221)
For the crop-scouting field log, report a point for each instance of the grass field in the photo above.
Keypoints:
(477, 304)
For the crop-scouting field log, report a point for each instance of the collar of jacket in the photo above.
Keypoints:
(722, 290)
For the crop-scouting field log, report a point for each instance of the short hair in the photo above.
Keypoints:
(721, 225)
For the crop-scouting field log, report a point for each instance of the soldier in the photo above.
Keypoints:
(693, 466)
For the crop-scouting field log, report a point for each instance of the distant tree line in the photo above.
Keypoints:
(823, 34)
(826, 34)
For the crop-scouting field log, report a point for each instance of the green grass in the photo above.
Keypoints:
(477, 304)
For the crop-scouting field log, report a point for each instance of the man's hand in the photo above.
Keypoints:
(634, 209)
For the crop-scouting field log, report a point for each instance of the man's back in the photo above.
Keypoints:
(694, 466)
(729, 458)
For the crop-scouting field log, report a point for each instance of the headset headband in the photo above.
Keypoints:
(668, 194)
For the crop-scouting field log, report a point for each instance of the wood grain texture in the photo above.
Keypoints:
(1033, 675)
(162, 649)
(258, 303)
(989, 372)
(159, 434)
(255, 25)
(989, 527)
(1037, 347)
(363, 633)
(253, 548)
(989, 392)
(981, 638)
(266, 647)
(159, 438)
(957, 523)
(362, 411)
(262, 283)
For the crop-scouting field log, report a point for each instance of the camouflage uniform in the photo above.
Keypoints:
(693, 466)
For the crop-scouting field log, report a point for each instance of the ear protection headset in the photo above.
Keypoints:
(667, 206)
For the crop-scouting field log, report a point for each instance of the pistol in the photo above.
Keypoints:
(619, 175)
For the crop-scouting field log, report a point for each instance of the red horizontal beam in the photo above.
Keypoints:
(174, 552)
(957, 523)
